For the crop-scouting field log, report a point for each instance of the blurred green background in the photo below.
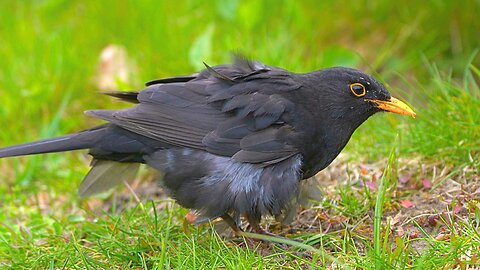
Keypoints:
(426, 52)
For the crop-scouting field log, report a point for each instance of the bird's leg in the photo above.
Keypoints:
(190, 218)
(237, 230)
(231, 222)
(256, 228)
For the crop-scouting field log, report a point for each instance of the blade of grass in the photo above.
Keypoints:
(297, 245)
(380, 201)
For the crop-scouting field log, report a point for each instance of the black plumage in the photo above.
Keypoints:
(230, 140)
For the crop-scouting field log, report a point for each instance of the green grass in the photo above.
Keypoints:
(379, 247)
(425, 52)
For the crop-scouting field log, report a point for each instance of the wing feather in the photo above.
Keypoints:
(229, 110)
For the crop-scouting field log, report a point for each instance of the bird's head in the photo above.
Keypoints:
(351, 94)
(339, 101)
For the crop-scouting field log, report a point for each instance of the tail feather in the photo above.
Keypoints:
(116, 153)
(106, 174)
(83, 140)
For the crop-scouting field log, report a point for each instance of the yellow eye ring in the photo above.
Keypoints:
(358, 89)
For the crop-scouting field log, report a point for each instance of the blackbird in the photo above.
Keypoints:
(231, 140)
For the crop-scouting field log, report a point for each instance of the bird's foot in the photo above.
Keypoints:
(259, 234)
(260, 230)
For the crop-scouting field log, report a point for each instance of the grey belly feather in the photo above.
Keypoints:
(216, 185)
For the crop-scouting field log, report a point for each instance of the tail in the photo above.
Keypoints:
(108, 141)
(83, 140)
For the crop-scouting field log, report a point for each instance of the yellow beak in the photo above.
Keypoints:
(395, 106)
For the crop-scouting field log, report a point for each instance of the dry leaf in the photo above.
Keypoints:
(371, 185)
(400, 231)
(404, 178)
(442, 237)
(363, 170)
(433, 220)
(426, 183)
(406, 203)
(413, 235)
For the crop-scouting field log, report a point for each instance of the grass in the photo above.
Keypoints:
(378, 244)
(425, 52)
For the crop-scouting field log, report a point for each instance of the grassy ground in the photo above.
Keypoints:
(405, 193)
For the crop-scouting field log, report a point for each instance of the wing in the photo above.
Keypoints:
(238, 110)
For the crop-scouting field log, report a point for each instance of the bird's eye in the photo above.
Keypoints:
(358, 89)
